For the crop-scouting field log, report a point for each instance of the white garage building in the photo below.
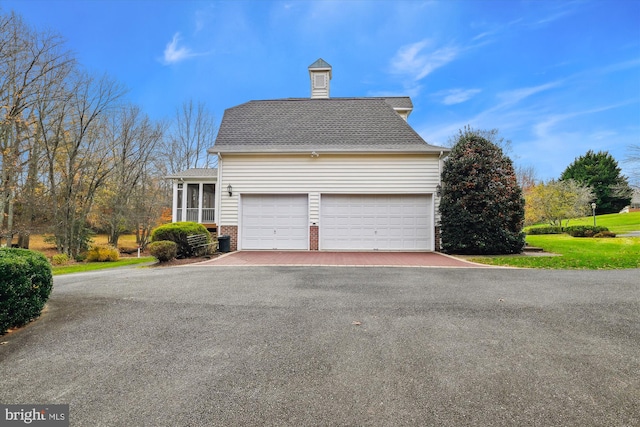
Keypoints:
(326, 173)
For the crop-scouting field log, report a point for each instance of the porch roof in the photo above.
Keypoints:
(204, 173)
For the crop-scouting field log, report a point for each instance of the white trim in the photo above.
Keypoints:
(174, 204)
(200, 199)
(183, 208)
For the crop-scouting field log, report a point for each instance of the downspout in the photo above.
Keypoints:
(218, 194)
(436, 219)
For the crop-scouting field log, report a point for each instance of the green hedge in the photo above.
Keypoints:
(584, 230)
(25, 285)
(544, 230)
(177, 232)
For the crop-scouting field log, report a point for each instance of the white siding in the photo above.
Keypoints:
(328, 174)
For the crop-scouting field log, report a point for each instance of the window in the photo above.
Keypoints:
(208, 201)
(192, 195)
(208, 195)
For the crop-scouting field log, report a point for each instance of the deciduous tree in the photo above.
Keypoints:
(191, 134)
(133, 140)
(77, 153)
(30, 63)
(633, 160)
(557, 201)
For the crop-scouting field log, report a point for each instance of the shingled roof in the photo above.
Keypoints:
(323, 125)
(195, 173)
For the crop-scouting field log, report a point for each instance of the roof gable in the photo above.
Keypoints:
(320, 63)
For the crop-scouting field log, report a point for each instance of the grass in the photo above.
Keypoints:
(37, 243)
(576, 253)
(581, 252)
(617, 223)
(92, 266)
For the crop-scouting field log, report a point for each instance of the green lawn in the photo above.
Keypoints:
(580, 252)
(617, 223)
(91, 266)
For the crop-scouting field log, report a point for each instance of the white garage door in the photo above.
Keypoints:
(275, 221)
(376, 222)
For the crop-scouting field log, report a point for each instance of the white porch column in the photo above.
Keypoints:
(185, 188)
(174, 205)
(200, 203)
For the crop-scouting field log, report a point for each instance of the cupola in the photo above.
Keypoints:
(320, 74)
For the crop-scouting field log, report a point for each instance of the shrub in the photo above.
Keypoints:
(604, 234)
(481, 208)
(25, 286)
(584, 230)
(60, 259)
(100, 253)
(163, 250)
(128, 250)
(544, 230)
(177, 232)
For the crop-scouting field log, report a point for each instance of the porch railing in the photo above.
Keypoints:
(208, 215)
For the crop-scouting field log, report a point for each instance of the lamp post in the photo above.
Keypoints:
(593, 207)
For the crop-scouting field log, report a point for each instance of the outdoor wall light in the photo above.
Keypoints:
(230, 190)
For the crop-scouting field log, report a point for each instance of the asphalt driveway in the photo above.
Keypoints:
(202, 346)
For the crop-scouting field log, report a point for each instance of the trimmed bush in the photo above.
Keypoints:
(544, 230)
(100, 253)
(177, 232)
(163, 250)
(481, 205)
(60, 259)
(584, 230)
(25, 285)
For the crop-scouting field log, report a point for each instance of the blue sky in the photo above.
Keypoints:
(557, 78)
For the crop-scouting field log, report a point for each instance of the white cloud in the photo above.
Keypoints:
(553, 17)
(542, 129)
(517, 95)
(457, 96)
(559, 10)
(173, 53)
(415, 61)
(483, 35)
(611, 68)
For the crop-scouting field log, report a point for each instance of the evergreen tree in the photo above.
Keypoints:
(600, 171)
(481, 206)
